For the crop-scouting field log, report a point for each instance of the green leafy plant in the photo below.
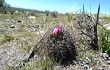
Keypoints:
(104, 37)
(8, 37)
(5, 38)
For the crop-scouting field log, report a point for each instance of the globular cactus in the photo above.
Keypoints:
(60, 46)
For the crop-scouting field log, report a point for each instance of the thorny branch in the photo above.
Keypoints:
(90, 30)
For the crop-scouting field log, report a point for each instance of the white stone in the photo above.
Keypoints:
(33, 18)
(12, 26)
(107, 26)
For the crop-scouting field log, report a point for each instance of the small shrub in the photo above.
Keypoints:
(54, 14)
(27, 46)
(47, 12)
(104, 38)
(7, 37)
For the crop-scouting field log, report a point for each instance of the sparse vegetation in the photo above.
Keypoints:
(8, 37)
(105, 18)
(50, 52)
(2, 3)
(104, 38)
(70, 17)
(5, 38)
(26, 46)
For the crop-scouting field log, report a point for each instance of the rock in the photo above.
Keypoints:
(86, 61)
(12, 26)
(108, 58)
(104, 55)
(86, 67)
(108, 62)
(91, 69)
(100, 69)
(107, 26)
(74, 62)
(19, 21)
(31, 17)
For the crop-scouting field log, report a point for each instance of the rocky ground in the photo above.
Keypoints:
(26, 33)
(15, 51)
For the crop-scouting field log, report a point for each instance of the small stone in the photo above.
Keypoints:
(104, 55)
(36, 56)
(86, 60)
(74, 62)
(108, 62)
(86, 67)
(16, 65)
(12, 26)
(91, 69)
(19, 21)
(108, 58)
(81, 64)
(57, 68)
(100, 69)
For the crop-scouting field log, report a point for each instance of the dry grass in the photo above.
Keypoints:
(27, 35)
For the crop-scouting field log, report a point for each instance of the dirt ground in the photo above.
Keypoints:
(14, 52)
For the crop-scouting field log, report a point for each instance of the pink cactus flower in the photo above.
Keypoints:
(59, 27)
(56, 31)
